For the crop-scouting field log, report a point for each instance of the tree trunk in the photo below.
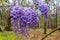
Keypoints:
(7, 28)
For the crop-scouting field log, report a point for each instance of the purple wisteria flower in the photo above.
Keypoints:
(53, 14)
(23, 19)
(36, 2)
(58, 7)
(43, 7)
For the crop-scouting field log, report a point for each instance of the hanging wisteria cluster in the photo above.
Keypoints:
(23, 19)
(43, 7)
(52, 14)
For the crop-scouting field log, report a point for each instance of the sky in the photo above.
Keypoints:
(10, 1)
(27, 0)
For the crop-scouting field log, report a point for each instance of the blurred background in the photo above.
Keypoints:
(53, 19)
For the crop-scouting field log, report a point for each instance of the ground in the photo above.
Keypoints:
(34, 35)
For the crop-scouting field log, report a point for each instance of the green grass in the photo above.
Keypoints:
(11, 36)
(7, 36)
